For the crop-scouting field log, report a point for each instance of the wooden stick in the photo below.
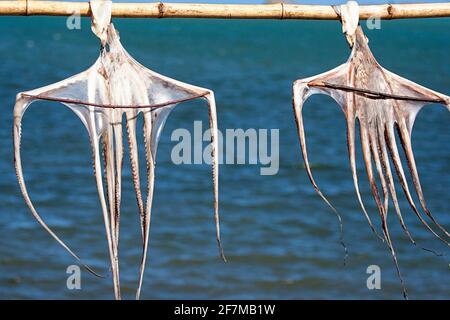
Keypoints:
(224, 11)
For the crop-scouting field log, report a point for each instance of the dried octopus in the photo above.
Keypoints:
(117, 86)
(381, 101)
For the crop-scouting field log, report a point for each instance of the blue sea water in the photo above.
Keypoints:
(281, 240)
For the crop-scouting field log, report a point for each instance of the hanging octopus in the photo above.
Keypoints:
(117, 86)
(381, 101)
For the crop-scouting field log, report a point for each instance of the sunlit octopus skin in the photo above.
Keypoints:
(116, 86)
(381, 101)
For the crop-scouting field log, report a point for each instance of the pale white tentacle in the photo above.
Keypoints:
(215, 165)
(146, 219)
(20, 107)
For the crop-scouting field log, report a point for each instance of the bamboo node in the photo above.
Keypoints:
(390, 10)
(161, 9)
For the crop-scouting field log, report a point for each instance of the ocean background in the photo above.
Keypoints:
(281, 240)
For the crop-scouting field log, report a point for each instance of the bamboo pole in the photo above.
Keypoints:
(223, 11)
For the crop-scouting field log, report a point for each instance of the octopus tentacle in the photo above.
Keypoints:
(376, 155)
(393, 254)
(131, 119)
(300, 93)
(352, 158)
(113, 158)
(19, 110)
(215, 165)
(106, 218)
(390, 183)
(405, 139)
(119, 164)
(110, 177)
(390, 180)
(146, 218)
(392, 147)
(366, 142)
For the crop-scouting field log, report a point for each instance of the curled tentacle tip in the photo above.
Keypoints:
(405, 294)
(438, 254)
(222, 254)
(95, 273)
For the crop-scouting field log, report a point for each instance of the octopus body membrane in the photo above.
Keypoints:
(118, 87)
(383, 103)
